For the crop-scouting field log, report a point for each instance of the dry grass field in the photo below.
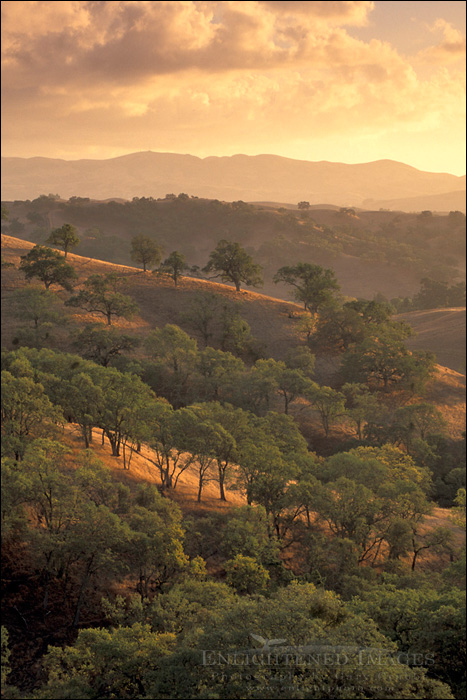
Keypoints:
(441, 331)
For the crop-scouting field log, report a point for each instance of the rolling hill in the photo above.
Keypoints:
(239, 177)
(371, 252)
(273, 322)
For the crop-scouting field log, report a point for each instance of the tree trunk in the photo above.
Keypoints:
(200, 488)
(45, 602)
(115, 445)
(277, 527)
(84, 583)
(221, 484)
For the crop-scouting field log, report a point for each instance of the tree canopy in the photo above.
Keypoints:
(145, 251)
(48, 266)
(66, 237)
(232, 263)
(313, 285)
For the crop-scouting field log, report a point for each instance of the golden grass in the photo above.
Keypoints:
(441, 331)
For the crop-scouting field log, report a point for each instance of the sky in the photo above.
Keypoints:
(348, 82)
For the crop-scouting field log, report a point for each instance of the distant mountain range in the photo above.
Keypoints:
(380, 184)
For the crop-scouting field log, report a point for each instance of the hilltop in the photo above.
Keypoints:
(238, 177)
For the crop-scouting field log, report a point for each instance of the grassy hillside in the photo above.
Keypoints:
(274, 324)
(441, 331)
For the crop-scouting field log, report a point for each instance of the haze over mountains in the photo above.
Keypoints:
(380, 184)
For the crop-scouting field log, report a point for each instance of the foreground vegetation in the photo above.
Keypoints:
(315, 587)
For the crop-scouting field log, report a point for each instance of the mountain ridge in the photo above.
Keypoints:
(263, 177)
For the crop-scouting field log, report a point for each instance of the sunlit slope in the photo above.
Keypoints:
(441, 331)
(273, 322)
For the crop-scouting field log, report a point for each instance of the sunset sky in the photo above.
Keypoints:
(349, 82)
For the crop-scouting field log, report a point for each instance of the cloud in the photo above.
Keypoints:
(210, 77)
(350, 13)
(449, 50)
(121, 41)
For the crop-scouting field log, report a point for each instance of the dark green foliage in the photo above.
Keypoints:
(246, 575)
(65, 237)
(422, 621)
(102, 344)
(434, 295)
(48, 266)
(280, 237)
(26, 411)
(174, 266)
(233, 264)
(145, 251)
(382, 358)
(339, 522)
(313, 285)
(42, 312)
(105, 663)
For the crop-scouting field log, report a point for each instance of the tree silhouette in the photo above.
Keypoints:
(100, 295)
(314, 285)
(48, 266)
(233, 264)
(174, 265)
(145, 251)
(66, 237)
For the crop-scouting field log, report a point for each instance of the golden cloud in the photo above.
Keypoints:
(257, 73)
(451, 49)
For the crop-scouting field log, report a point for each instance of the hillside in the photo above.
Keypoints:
(94, 547)
(371, 252)
(441, 331)
(239, 177)
(274, 322)
(447, 201)
(160, 303)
